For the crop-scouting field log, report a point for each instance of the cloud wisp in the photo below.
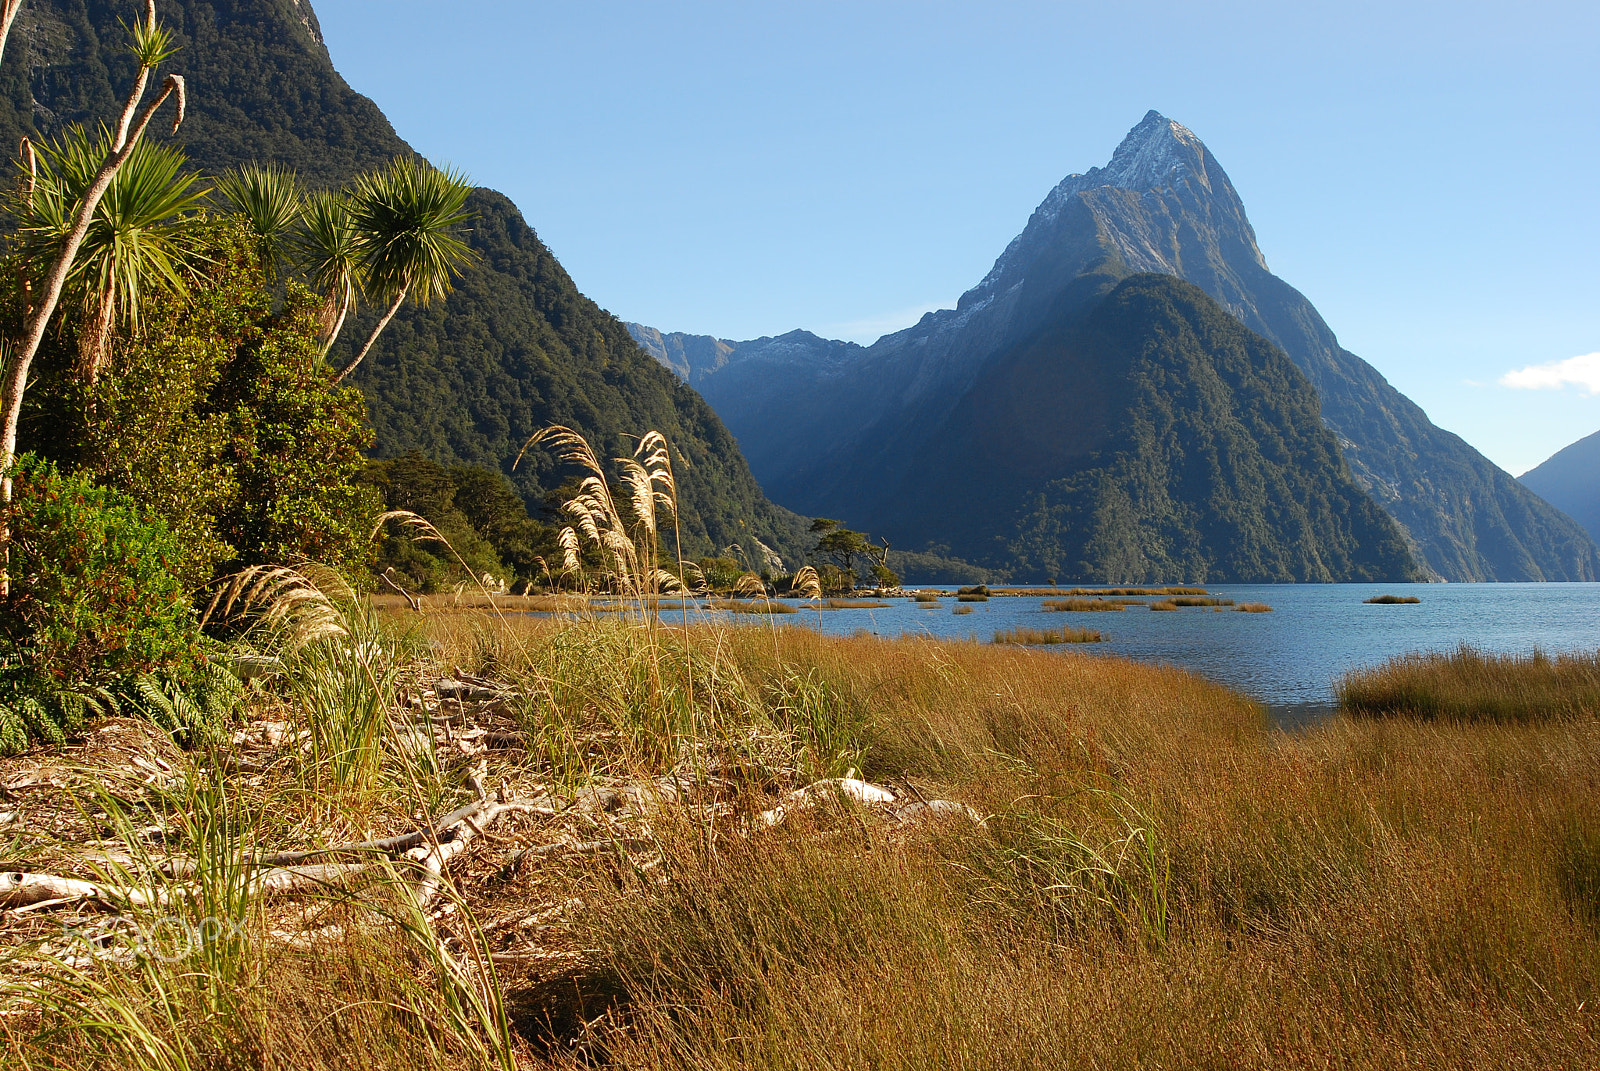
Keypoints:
(1582, 372)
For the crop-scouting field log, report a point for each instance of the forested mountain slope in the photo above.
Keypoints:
(515, 348)
(1163, 204)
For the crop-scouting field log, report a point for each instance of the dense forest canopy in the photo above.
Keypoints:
(514, 349)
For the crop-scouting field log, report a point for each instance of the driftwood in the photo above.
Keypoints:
(429, 849)
(21, 889)
(802, 799)
(433, 857)
(862, 792)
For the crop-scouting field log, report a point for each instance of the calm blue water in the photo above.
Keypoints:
(1287, 659)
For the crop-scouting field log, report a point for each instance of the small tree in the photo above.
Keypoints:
(840, 551)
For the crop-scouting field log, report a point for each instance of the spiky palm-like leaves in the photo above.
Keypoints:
(328, 252)
(138, 239)
(270, 200)
(405, 218)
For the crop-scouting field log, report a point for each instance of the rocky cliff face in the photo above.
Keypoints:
(1570, 481)
(1162, 205)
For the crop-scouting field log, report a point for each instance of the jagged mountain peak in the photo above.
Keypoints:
(1160, 159)
(1150, 156)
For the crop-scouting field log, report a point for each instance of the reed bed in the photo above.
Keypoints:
(961, 609)
(972, 597)
(853, 604)
(1078, 606)
(752, 606)
(1471, 685)
(1253, 608)
(1164, 605)
(1096, 592)
(1046, 636)
(1191, 600)
(1392, 600)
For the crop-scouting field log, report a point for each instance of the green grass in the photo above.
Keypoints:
(1470, 685)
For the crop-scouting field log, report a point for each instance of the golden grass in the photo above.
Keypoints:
(1046, 636)
(1160, 879)
(853, 604)
(961, 609)
(1096, 592)
(1253, 608)
(972, 597)
(1080, 605)
(752, 606)
(1471, 685)
(1371, 894)
(1163, 605)
(1392, 600)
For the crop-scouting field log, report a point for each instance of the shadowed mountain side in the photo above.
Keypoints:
(1570, 480)
(515, 348)
(1147, 437)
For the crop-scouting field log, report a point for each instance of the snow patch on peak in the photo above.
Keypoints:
(1152, 152)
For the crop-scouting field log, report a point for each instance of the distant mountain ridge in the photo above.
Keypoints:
(516, 347)
(1570, 481)
(1163, 204)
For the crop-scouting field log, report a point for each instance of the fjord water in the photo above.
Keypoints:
(1288, 659)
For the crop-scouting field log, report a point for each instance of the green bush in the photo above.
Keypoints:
(96, 618)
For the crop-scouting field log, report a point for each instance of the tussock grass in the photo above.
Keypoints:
(1080, 605)
(926, 596)
(1190, 600)
(1253, 608)
(1163, 605)
(1392, 600)
(972, 597)
(1159, 879)
(1099, 592)
(1047, 636)
(1471, 685)
(853, 604)
(961, 609)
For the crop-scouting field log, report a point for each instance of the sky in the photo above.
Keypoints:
(1428, 174)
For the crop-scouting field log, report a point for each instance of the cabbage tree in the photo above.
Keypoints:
(405, 218)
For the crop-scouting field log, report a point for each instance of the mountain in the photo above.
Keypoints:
(1570, 480)
(811, 424)
(516, 347)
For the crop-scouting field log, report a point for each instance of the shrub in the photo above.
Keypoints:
(96, 610)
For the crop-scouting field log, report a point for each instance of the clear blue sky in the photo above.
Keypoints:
(1428, 174)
